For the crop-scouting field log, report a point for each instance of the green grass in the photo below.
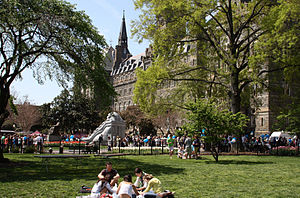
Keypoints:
(233, 176)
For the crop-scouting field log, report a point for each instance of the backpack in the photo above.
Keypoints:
(85, 189)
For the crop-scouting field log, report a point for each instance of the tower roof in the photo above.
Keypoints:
(123, 34)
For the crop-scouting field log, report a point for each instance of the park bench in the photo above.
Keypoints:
(83, 149)
(108, 155)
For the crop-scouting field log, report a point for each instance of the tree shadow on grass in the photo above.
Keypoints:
(66, 170)
(238, 162)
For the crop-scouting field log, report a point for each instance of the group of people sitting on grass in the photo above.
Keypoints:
(145, 186)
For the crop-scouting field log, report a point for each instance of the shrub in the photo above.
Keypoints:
(5, 150)
(15, 149)
(283, 151)
(29, 149)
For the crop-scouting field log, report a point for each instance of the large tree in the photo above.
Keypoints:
(137, 119)
(207, 48)
(73, 112)
(52, 38)
(27, 115)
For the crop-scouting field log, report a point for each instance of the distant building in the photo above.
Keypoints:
(121, 65)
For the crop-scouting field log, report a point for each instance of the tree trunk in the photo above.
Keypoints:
(235, 95)
(4, 96)
(215, 153)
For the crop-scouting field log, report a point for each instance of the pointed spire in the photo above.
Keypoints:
(121, 52)
(123, 34)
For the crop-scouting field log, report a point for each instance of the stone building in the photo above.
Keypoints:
(123, 69)
(122, 65)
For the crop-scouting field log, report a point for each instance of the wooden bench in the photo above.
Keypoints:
(83, 149)
(108, 155)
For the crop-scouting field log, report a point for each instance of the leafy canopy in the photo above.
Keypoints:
(52, 38)
(208, 47)
(71, 111)
(215, 122)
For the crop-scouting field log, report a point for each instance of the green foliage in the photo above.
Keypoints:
(146, 127)
(71, 111)
(289, 120)
(215, 121)
(206, 47)
(281, 42)
(29, 149)
(5, 150)
(148, 83)
(15, 149)
(55, 41)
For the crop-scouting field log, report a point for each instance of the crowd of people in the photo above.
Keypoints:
(145, 186)
(188, 147)
(19, 142)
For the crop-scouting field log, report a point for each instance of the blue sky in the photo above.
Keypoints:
(106, 15)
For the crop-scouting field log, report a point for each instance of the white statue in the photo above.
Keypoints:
(114, 125)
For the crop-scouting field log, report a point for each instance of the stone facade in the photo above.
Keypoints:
(123, 77)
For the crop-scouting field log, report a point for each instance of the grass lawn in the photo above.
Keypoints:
(233, 176)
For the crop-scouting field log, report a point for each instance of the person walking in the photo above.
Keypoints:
(170, 142)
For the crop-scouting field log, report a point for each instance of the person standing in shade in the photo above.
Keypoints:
(170, 142)
(196, 144)
(108, 144)
(188, 147)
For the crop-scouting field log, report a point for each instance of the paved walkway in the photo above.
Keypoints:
(202, 152)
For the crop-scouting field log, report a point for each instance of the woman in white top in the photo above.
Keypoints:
(126, 187)
(102, 186)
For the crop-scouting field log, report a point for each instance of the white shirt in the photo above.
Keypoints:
(125, 189)
(98, 187)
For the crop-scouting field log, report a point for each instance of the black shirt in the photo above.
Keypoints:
(111, 173)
